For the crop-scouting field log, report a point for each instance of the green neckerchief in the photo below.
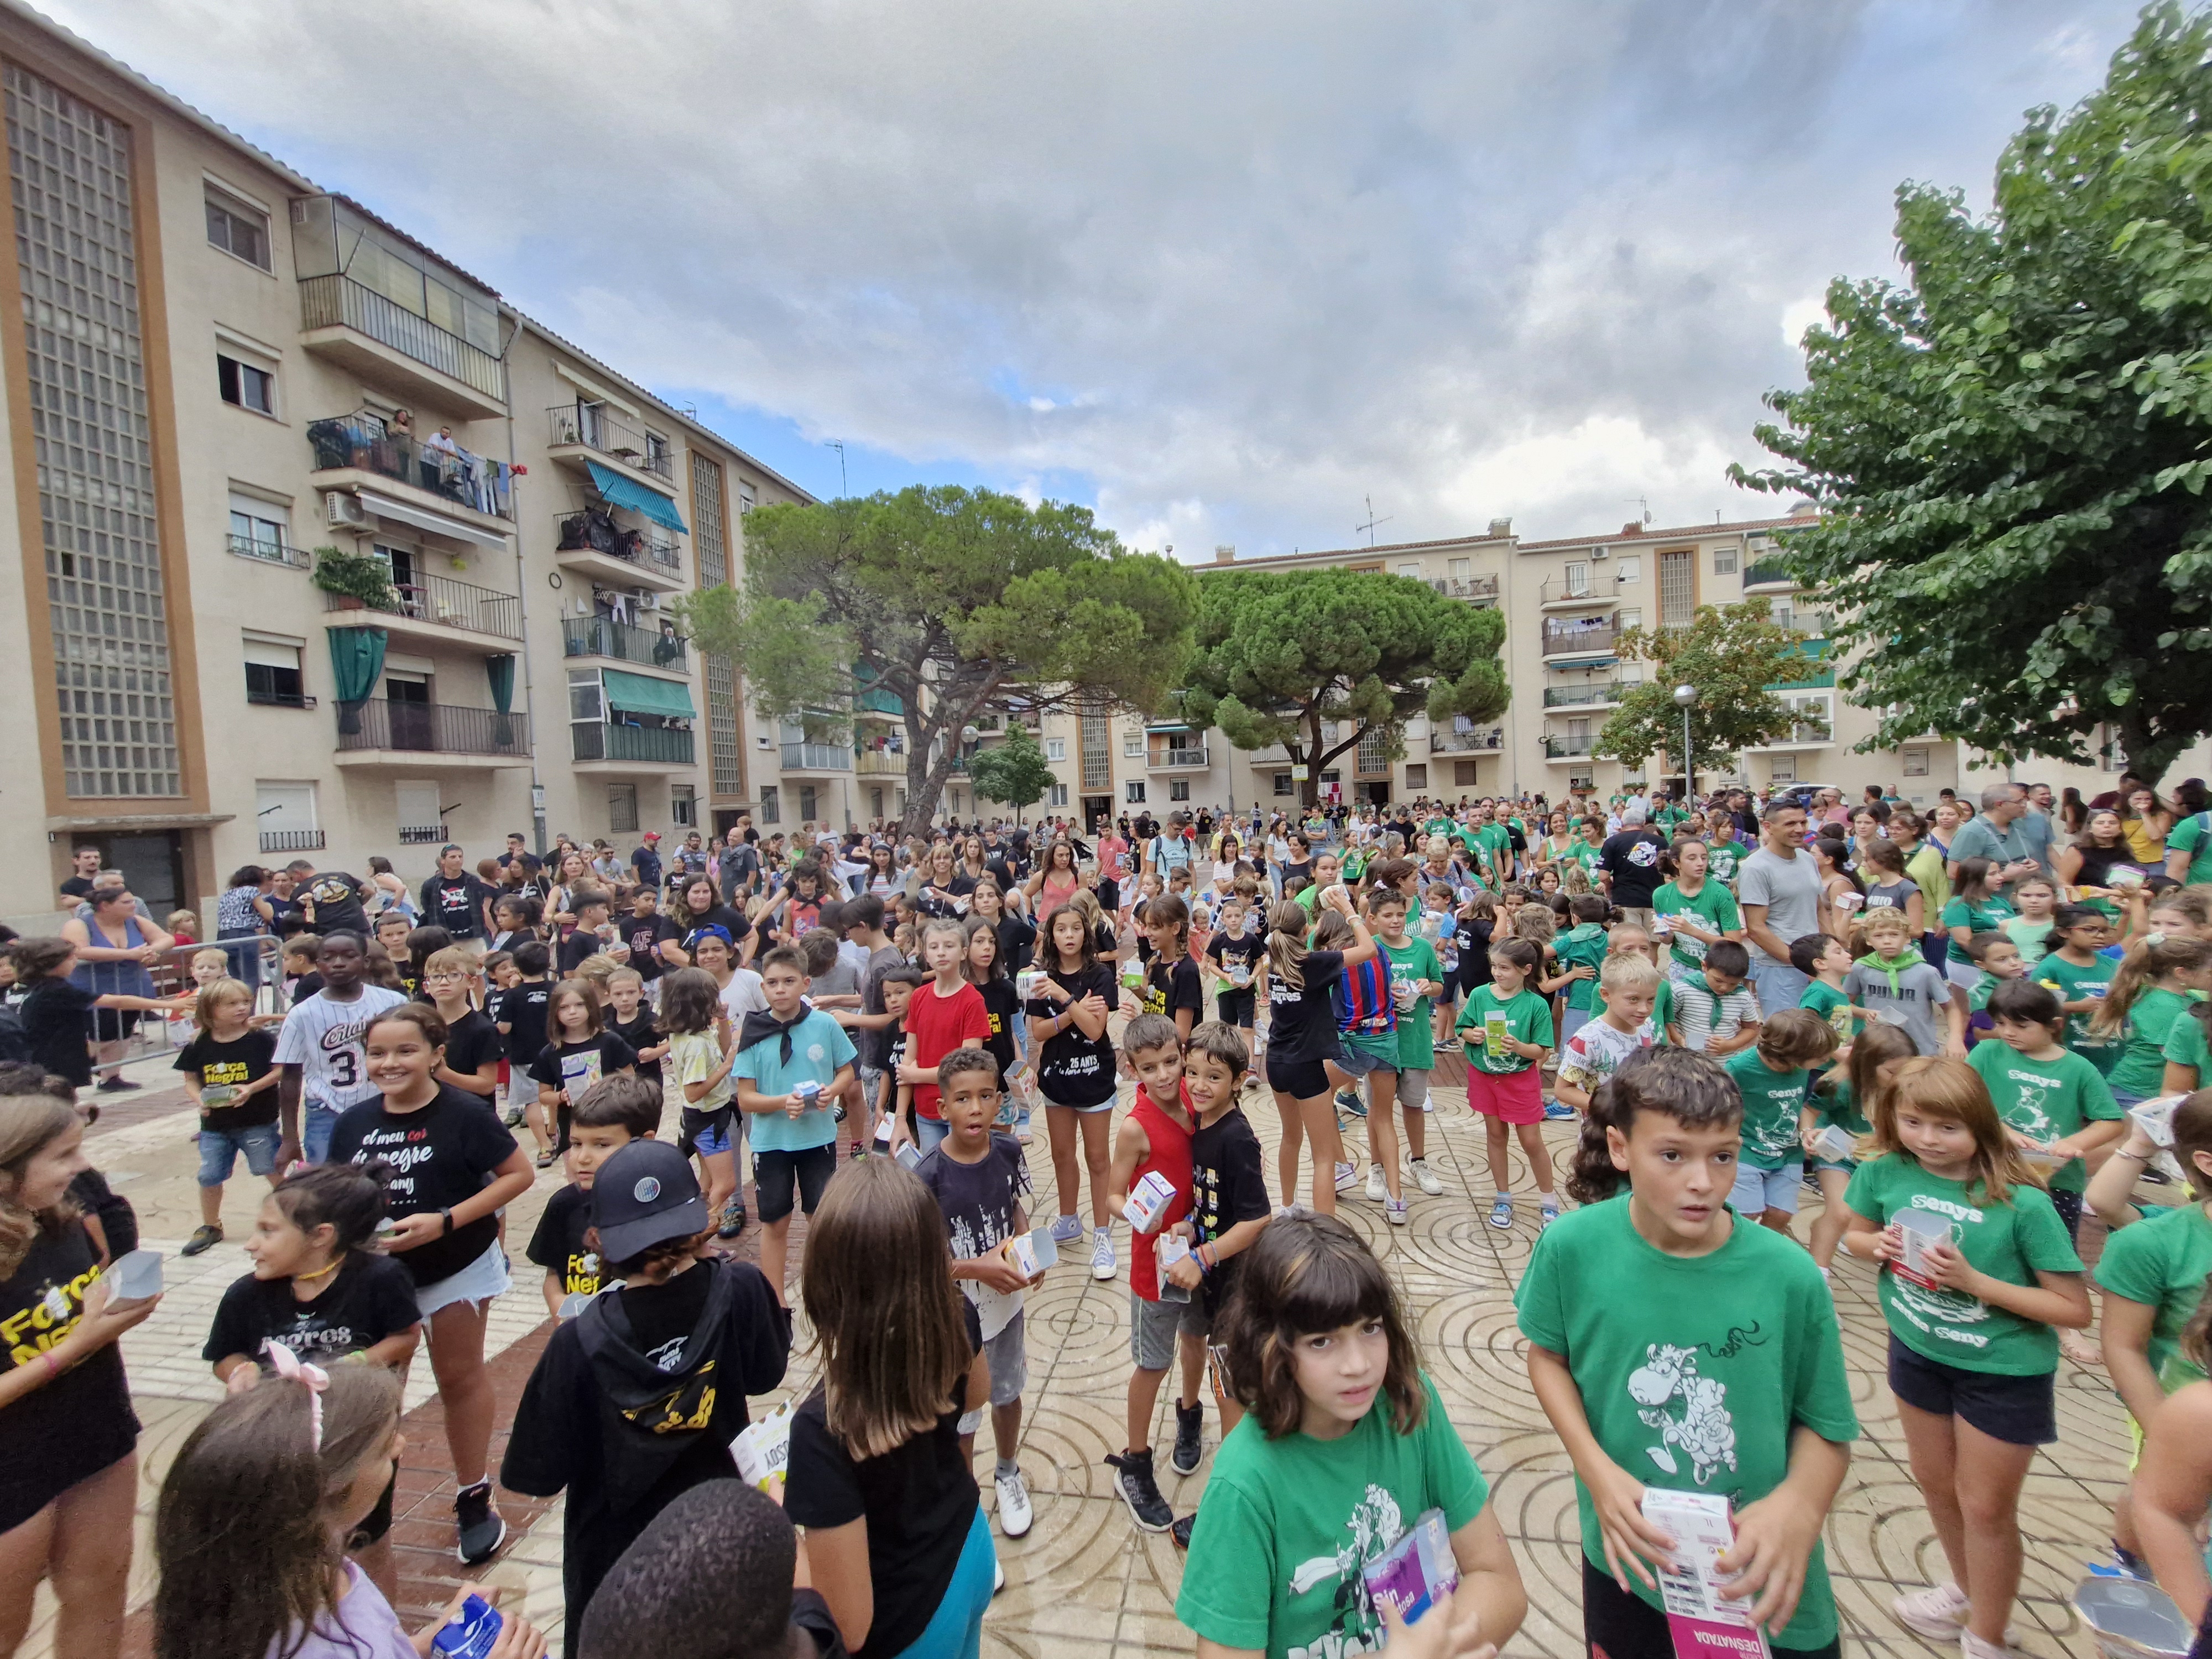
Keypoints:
(1890, 965)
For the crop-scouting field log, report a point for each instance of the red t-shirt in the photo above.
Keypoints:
(935, 1026)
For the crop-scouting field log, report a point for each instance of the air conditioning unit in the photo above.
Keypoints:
(767, 745)
(649, 601)
(1600, 553)
(341, 508)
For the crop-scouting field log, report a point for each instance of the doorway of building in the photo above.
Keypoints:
(152, 862)
(1095, 807)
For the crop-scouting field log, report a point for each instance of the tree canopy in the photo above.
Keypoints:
(2010, 450)
(1732, 653)
(1281, 654)
(1015, 774)
(956, 603)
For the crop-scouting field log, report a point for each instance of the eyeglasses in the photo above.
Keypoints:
(432, 979)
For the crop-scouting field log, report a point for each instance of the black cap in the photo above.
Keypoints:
(644, 1195)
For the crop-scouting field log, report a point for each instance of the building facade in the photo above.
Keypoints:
(215, 367)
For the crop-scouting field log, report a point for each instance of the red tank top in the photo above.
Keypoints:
(1169, 1154)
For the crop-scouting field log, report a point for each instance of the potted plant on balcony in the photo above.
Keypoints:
(361, 581)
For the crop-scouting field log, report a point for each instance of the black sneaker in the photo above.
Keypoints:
(1181, 1531)
(1133, 1481)
(481, 1531)
(203, 1238)
(1190, 1440)
(733, 1219)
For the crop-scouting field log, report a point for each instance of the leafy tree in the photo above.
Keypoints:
(956, 602)
(1015, 773)
(1732, 653)
(2011, 448)
(1281, 653)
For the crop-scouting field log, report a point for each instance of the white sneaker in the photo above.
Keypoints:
(1015, 1514)
(1102, 1254)
(1939, 1613)
(1396, 1212)
(1347, 1176)
(1377, 1190)
(1423, 1176)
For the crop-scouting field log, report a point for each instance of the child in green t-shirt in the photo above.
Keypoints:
(1772, 1076)
(2037, 898)
(2055, 1104)
(1580, 952)
(1413, 964)
(1698, 911)
(1345, 1438)
(2151, 991)
(1825, 960)
(1975, 908)
(1674, 1345)
(1972, 1309)
(2080, 976)
(1509, 1033)
(1838, 1100)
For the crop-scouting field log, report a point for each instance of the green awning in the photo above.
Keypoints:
(625, 492)
(641, 693)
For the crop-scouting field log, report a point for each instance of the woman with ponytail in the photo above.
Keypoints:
(2149, 996)
(69, 1468)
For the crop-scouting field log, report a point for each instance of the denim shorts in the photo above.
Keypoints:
(1756, 1190)
(482, 1280)
(1363, 1054)
(930, 1132)
(219, 1150)
(709, 1133)
(317, 1122)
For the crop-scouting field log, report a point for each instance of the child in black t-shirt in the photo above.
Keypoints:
(1234, 954)
(577, 1054)
(53, 1008)
(519, 1013)
(629, 1017)
(986, 966)
(1173, 986)
(474, 1047)
(229, 1071)
(609, 1114)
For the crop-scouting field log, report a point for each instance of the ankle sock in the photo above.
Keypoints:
(1007, 1467)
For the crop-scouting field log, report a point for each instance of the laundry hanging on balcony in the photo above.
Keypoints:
(623, 492)
(642, 694)
(357, 665)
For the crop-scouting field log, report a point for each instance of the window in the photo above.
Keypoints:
(1132, 745)
(1784, 769)
(1056, 749)
(622, 808)
(683, 804)
(1054, 795)
(1815, 716)
(246, 385)
(237, 228)
(1724, 561)
(259, 530)
(1178, 789)
(418, 811)
(1577, 578)
(272, 673)
(1626, 620)
(1461, 569)
(1582, 780)
(1628, 570)
(1284, 785)
(656, 452)
(1678, 589)
(1780, 612)
(1411, 568)
(1916, 763)
(1330, 780)
(806, 793)
(1417, 777)
(285, 813)
(1134, 792)
(745, 499)
(772, 804)
(1464, 774)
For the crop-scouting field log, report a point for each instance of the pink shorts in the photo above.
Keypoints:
(1511, 1096)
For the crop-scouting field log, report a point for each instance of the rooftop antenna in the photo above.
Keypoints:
(838, 444)
(1371, 521)
(1643, 503)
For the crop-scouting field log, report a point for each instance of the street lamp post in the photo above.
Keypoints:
(1685, 698)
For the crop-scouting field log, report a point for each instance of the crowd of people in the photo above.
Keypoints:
(1967, 1031)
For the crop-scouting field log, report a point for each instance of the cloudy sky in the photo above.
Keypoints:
(1223, 270)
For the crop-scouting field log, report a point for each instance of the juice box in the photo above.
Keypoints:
(1413, 1572)
(763, 1448)
(1918, 1231)
(1147, 1200)
(1173, 1248)
(1704, 1626)
(468, 1634)
(1495, 1027)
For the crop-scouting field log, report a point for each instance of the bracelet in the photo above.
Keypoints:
(2140, 1157)
(446, 1216)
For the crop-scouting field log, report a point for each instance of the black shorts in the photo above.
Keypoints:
(377, 1522)
(1301, 1080)
(774, 1174)
(1618, 1626)
(716, 1129)
(2068, 1205)
(2020, 1411)
(1236, 1007)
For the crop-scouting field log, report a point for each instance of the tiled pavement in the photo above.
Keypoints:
(1084, 1584)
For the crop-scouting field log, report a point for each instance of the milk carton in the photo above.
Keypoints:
(1148, 1199)
(763, 1448)
(1918, 1231)
(1031, 1253)
(1704, 1626)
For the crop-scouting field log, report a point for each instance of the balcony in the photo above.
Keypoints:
(1590, 641)
(438, 611)
(593, 545)
(1274, 755)
(1465, 588)
(1806, 734)
(1565, 749)
(267, 552)
(817, 757)
(660, 649)
(1596, 588)
(1191, 758)
(1467, 743)
(400, 735)
(291, 841)
(1582, 696)
(580, 431)
(1767, 572)
(879, 764)
(603, 747)
(388, 345)
(451, 492)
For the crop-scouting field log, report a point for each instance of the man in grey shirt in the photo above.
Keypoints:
(1779, 889)
(1999, 834)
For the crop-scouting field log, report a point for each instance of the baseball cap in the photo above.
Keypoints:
(644, 1195)
(652, 835)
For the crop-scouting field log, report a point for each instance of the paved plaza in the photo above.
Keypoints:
(1085, 1584)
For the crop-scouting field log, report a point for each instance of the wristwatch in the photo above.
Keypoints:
(446, 1216)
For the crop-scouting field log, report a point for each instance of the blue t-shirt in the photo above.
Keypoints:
(818, 1047)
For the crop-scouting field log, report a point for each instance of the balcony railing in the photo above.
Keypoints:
(1572, 696)
(1598, 638)
(252, 547)
(460, 476)
(291, 841)
(341, 302)
(603, 636)
(1465, 588)
(1168, 759)
(1461, 743)
(452, 605)
(435, 728)
(421, 835)
(1558, 589)
(594, 530)
(817, 757)
(596, 427)
(275, 699)
(879, 764)
(1766, 573)
(1566, 748)
(654, 744)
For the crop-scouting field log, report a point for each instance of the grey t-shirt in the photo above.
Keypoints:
(1977, 838)
(1788, 888)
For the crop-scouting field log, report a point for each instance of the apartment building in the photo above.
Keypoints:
(215, 367)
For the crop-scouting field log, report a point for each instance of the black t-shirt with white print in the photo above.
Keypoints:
(368, 1299)
(1071, 1069)
(440, 1156)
